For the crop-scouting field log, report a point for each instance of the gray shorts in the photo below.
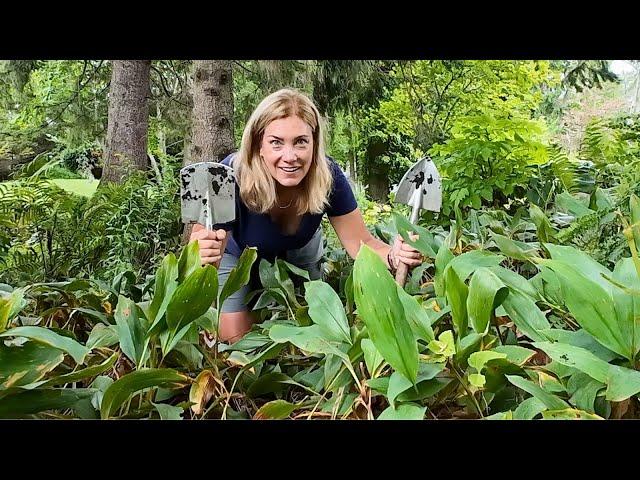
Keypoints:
(308, 258)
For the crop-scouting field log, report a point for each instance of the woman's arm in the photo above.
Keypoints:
(352, 232)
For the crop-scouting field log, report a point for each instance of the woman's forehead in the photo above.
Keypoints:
(288, 126)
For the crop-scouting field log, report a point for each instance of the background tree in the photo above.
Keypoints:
(128, 120)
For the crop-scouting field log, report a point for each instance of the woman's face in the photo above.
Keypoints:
(287, 150)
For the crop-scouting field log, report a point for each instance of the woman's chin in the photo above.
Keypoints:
(289, 182)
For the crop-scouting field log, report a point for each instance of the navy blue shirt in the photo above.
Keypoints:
(253, 229)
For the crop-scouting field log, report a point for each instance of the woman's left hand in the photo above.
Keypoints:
(402, 252)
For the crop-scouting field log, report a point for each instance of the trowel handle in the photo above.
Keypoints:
(403, 268)
(401, 274)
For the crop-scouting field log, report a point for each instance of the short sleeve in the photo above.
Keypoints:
(341, 199)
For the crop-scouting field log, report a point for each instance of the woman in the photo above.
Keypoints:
(285, 184)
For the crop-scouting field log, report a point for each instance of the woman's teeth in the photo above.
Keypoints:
(289, 169)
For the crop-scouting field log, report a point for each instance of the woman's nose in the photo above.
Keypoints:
(289, 153)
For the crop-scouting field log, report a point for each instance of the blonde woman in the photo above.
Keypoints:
(286, 184)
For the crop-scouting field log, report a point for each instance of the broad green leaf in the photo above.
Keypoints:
(26, 364)
(425, 389)
(239, 276)
(48, 337)
(123, 388)
(543, 225)
(405, 411)
(445, 345)
(10, 306)
(578, 261)
(514, 248)
(529, 408)
(275, 410)
(478, 360)
(398, 383)
(526, 315)
(514, 281)
(443, 258)
(468, 262)
(132, 330)
(102, 336)
(621, 382)
(326, 311)
(508, 415)
(372, 357)
(486, 292)
(378, 304)
(457, 293)
(585, 393)
(40, 400)
(380, 384)
(166, 282)
(580, 338)
(569, 203)
(569, 414)
(416, 315)
(309, 339)
(551, 401)
(515, 354)
(425, 244)
(592, 306)
(627, 305)
(189, 260)
(168, 412)
(84, 373)
(193, 298)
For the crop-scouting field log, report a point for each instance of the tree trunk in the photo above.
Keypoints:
(211, 137)
(128, 120)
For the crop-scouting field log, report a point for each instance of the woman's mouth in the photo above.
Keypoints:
(290, 169)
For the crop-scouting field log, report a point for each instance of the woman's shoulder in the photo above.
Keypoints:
(228, 159)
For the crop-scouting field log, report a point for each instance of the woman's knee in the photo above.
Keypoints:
(234, 325)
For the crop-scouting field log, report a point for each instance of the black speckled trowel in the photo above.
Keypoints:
(208, 195)
(420, 188)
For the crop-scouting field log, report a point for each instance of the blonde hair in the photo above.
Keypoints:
(257, 186)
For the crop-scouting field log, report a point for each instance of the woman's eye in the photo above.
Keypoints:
(302, 141)
(275, 142)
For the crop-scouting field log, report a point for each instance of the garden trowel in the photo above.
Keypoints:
(208, 195)
(420, 188)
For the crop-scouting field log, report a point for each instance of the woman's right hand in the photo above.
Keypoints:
(211, 244)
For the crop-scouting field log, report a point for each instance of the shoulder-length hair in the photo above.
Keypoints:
(257, 186)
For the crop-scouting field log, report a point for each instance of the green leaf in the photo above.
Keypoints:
(569, 414)
(84, 373)
(425, 244)
(468, 262)
(10, 306)
(478, 360)
(515, 249)
(310, 339)
(529, 408)
(168, 412)
(416, 315)
(592, 306)
(239, 276)
(445, 345)
(568, 203)
(514, 281)
(457, 294)
(193, 298)
(126, 386)
(326, 311)
(406, 411)
(275, 410)
(551, 401)
(443, 258)
(515, 354)
(48, 337)
(543, 225)
(621, 382)
(131, 331)
(166, 282)
(102, 336)
(398, 383)
(372, 357)
(378, 304)
(40, 400)
(486, 293)
(26, 364)
(526, 315)
(189, 261)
